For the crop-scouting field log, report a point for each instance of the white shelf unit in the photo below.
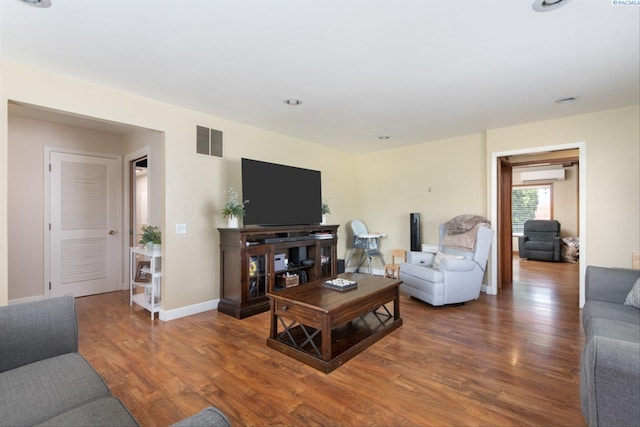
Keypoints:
(150, 297)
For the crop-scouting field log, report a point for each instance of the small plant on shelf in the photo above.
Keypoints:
(325, 208)
(150, 233)
(233, 208)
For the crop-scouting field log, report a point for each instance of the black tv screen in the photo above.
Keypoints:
(280, 195)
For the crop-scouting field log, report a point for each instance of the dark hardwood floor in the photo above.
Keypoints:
(506, 360)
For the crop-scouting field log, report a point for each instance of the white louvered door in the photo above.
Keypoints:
(84, 238)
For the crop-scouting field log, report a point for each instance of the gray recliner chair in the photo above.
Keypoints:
(451, 276)
(541, 240)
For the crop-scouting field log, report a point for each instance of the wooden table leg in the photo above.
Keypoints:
(396, 305)
(274, 320)
(326, 339)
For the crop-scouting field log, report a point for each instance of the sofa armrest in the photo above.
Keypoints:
(421, 258)
(210, 416)
(609, 284)
(37, 330)
(610, 382)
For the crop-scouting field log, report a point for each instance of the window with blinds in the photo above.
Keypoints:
(530, 202)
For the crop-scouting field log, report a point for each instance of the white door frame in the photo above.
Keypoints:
(47, 205)
(142, 152)
(582, 207)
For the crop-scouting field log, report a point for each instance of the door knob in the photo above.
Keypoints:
(113, 232)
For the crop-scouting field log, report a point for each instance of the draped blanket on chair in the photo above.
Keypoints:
(462, 231)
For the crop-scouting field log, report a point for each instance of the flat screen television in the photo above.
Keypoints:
(280, 195)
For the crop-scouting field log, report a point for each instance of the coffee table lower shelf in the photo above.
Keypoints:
(304, 343)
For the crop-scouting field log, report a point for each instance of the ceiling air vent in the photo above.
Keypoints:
(543, 175)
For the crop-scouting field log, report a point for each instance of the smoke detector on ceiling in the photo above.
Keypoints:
(37, 3)
(547, 5)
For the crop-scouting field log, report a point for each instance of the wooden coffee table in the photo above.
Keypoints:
(324, 328)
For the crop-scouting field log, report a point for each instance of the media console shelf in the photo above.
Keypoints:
(257, 260)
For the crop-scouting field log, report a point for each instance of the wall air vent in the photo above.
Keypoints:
(543, 175)
(208, 141)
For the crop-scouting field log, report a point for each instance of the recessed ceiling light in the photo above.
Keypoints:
(293, 101)
(37, 3)
(547, 5)
(567, 100)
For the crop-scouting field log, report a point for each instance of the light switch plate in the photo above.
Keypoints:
(181, 228)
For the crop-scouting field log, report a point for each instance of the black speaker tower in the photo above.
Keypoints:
(415, 231)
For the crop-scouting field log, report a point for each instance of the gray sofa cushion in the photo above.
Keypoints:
(608, 310)
(539, 245)
(37, 330)
(107, 411)
(609, 284)
(613, 329)
(36, 392)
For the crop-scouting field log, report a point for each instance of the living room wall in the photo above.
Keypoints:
(194, 185)
(612, 144)
(441, 179)
(438, 179)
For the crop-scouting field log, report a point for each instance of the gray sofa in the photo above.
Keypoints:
(610, 369)
(45, 381)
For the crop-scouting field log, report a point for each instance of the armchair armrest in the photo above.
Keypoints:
(37, 330)
(557, 244)
(449, 264)
(420, 258)
(521, 241)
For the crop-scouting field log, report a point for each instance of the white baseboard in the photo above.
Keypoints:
(487, 289)
(176, 313)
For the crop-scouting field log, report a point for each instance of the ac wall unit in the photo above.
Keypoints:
(543, 175)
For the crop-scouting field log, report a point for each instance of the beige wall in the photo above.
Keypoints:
(193, 185)
(27, 141)
(380, 188)
(438, 179)
(612, 146)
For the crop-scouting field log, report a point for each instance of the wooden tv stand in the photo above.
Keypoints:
(252, 263)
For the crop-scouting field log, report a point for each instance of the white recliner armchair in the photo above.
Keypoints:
(453, 275)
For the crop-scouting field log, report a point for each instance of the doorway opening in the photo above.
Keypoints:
(138, 197)
(502, 177)
(30, 129)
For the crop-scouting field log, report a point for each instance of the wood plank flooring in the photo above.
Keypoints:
(507, 360)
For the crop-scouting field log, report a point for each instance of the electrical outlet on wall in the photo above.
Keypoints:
(181, 228)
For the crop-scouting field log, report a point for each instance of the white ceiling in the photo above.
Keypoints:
(416, 70)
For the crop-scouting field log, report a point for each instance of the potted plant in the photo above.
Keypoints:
(325, 210)
(233, 209)
(150, 236)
